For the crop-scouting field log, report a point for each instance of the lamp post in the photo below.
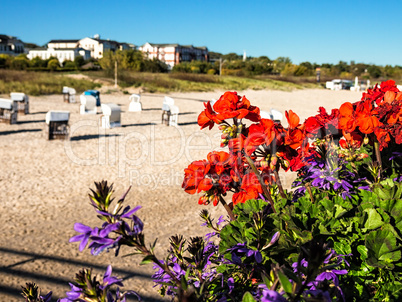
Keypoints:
(318, 74)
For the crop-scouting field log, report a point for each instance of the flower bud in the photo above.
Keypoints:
(363, 155)
(263, 163)
(366, 140)
(222, 127)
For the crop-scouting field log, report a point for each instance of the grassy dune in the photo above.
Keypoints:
(38, 83)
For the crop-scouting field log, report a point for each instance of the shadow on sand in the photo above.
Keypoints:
(91, 136)
(38, 278)
(19, 131)
(30, 122)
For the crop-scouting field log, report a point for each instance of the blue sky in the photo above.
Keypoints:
(303, 30)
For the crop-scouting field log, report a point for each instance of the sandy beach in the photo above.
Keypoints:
(44, 184)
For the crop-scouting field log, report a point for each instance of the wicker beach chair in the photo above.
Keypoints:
(57, 122)
(8, 111)
(22, 101)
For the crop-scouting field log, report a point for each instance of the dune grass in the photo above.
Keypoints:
(40, 83)
(184, 82)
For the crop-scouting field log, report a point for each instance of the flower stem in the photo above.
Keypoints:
(378, 156)
(228, 209)
(308, 187)
(278, 182)
(263, 186)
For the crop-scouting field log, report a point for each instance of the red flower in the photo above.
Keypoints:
(231, 105)
(323, 123)
(365, 119)
(219, 160)
(250, 189)
(208, 118)
(383, 137)
(259, 134)
(351, 140)
(194, 177)
(294, 135)
(347, 120)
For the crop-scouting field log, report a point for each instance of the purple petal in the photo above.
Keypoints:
(82, 228)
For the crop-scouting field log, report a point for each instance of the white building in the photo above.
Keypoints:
(173, 54)
(59, 53)
(98, 46)
(56, 44)
(11, 45)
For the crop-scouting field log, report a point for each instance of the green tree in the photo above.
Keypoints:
(37, 62)
(374, 71)
(20, 62)
(53, 64)
(79, 61)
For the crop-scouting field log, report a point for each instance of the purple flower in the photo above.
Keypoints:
(47, 298)
(231, 284)
(86, 230)
(72, 295)
(331, 275)
(274, 239)
(109, 280)
(99, 244)
(270, 295)
(221, 220)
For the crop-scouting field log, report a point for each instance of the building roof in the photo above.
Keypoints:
(5, 38)
(162, 44)
(175, 45)
(64, 41)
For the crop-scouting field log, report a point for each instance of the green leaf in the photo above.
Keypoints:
(382, 249)
(373, 220)
(287, 286)
(248, 297)
(147, 259)
(362, 251)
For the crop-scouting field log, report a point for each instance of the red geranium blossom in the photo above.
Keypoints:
(194, 175)
(231, 105)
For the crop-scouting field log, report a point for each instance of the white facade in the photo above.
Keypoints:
(98, 47)
(61, 54)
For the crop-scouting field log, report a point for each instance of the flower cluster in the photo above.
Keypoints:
(120, 226)
(258, 151)
(88, 288)
(31, 293)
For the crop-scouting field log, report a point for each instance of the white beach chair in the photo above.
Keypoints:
(135, 104)
(111, 114)
(88, 104)
(57, 122)
(8, 111)
(71, 95)
(276, 115)
(174, 115)
(266, 115)
(65, 93)
(22, 101)
(167, 103)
